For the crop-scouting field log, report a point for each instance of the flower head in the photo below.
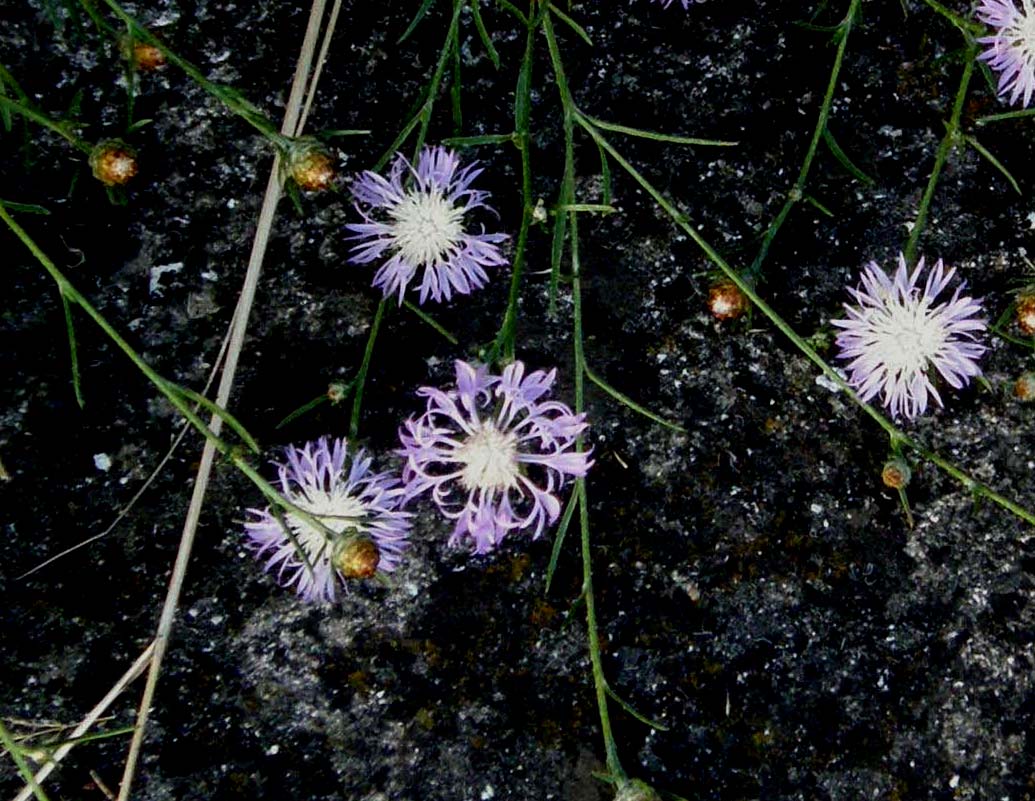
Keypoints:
(418, 225)
(898, 331)
(493, 452)
(357, 509)
(1011, 50)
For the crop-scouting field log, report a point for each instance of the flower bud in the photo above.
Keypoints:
(356, 557)
(726, 301)
(147, 57)
(336, 392)
(896, 473)
(635, 790)
(1026, 312)
(1024, 389)
(310, 165)
(113, 162)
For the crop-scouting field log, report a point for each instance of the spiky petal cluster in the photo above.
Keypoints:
(493, 452)
(413, 221)
(348, 499)
(1011, 47)
(898, 331)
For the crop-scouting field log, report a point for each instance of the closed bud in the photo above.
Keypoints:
(356, 557)
(896, 473)
(726, 301)
(147, 57)
(113, 162)
(310, 165)
(336, 392)
(1026, 312)
(1024, 389)
(635, 790)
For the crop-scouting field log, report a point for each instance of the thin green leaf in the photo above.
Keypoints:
(599, 208)
(812, 201)
(335, 132)
(994, 162)
(494, 57)
(455, 91)
(24, 208)
(846, 162)
(1007, 115)
(484, 139)
(427, 318)
(605, 175)
(658, 137)
(416, 20)
(572, 24)
(558, 540)
(632, 710)
(560, 232)
(218, 411)
(513, 9)
(73, 350)
(305, 408)
(136, 126)
(625, 400)
(23, 767)
(522, 105)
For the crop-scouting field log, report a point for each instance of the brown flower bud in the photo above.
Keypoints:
(147, 57)
(1026, 313)
(726, 301)
(896, 473)
(1024, 389)
(357, 557)
(336, 392)
(113, 162)
(310, 166)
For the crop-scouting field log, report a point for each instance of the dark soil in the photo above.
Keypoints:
(759, 590)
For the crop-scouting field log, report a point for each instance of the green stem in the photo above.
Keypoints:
(614, 765)
(361, 376)
(504, 346)
(681, 221)
(944, 149)
(62, 129)
(797, 191)
(23, 767)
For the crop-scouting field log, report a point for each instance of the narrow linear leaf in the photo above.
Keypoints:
(842, 157)
(625, 400)
(605, 175)
(456, 90)
(484, 139)
(1007, 115)
(335, 132)
(522, 100)
(560, 232)
(306, 408)
(429, 320)
(994, 162)
(73, 350)
(23, 767)
(812, 201)
(658, 137)
(632, 710)
(513, 9)
(424, 7)
(579, 30)
(218, 411)
(494, 57)
(558, 539)
(25, 208)
(590, 207)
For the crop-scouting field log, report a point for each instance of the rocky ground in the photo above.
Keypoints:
(759, 590)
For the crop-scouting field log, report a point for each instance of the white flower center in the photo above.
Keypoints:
(907, 337)
(337, 510)
(426, 226)
(1020, 33)
(489, 458)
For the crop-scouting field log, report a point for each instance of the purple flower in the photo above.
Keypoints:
(357, 507)
(1011, 50)
(897, 332)
(493, 452)
(421, 226)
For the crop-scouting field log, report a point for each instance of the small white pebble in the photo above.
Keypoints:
(102, 462)
(488, 793)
